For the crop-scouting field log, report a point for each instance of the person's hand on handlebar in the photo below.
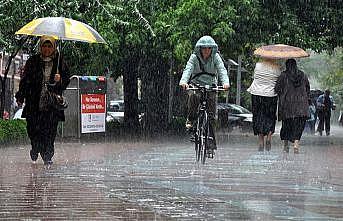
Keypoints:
(184, 86)
(226, 86)
(57, 77)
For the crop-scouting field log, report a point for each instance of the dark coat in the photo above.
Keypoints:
(30, 85)
(293, 94)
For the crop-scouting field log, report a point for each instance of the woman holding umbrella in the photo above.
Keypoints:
(264, 100)
(42, 72)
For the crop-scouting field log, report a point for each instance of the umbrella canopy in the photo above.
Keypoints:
(61, 28)
(280, 51)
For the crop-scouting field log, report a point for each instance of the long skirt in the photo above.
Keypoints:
(292, 128)
(264, 114)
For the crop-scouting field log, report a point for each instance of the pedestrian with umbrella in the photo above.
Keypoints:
(264, 100)
(264, 97)
(44, 74)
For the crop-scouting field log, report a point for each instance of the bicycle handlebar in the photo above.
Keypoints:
(205, 87)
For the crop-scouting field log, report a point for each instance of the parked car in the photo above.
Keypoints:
(116, 106)
(115, 111)
(233, 115)
(115, 116)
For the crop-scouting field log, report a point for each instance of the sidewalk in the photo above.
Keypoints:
(335, 138)
(159, 180)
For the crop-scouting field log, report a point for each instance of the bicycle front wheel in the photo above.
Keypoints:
(197, 139)
(204, 132)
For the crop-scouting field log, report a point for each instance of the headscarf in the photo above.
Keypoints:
(294, 74)
(50, 39)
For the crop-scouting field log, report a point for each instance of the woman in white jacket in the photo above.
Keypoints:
(264, 100)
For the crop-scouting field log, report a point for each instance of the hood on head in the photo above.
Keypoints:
(206, 41)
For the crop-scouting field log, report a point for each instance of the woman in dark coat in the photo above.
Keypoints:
(293, 89)
(40, 74)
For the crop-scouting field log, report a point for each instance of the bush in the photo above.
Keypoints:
(12, 131)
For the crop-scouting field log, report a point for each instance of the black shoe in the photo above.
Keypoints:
(33, 155)
(48, 162)
(189, 124)
(286, 148)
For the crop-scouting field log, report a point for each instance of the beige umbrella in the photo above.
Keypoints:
(280, 51)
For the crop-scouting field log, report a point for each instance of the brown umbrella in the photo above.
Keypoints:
(280, 51)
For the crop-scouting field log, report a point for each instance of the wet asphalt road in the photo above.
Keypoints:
(160, 181)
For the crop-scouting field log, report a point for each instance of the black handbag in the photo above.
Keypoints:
(50, 100)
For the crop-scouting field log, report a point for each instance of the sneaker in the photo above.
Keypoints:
(189, 125)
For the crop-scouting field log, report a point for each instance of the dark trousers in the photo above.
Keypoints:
(193, 106)
(42, 130)
(324, 119)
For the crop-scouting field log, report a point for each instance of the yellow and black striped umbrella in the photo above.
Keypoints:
(61, 28)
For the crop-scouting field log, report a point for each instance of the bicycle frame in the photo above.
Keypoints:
(202, 130)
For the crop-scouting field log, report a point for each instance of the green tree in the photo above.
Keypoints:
(150, 40)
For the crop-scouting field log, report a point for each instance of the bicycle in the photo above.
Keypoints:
(201, 132)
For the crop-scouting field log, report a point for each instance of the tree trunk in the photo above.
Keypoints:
(131, 122)
(3, 84)
(155, 95)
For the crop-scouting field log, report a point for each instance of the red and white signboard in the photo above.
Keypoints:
(93, 113)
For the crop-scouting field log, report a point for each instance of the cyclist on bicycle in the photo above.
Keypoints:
(205, 66)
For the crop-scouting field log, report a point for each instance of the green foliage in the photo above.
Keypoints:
(12, 130)
(323, 69)
(145, 37)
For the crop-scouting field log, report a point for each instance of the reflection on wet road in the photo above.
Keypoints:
(161, 181)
